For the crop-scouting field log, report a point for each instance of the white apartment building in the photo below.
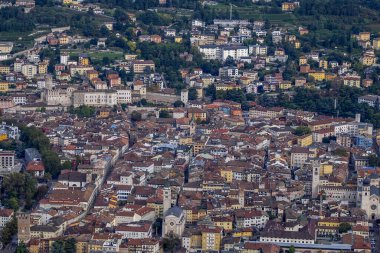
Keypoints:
(236, 52)
(210, 52)
(346, 128)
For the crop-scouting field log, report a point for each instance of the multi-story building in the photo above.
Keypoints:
(58, 96)
(211, 238)
(7, 160)
(141, 66)
(371, 100)
(352, 81)
(95, 98)
(234, 52)
(29, 70)
(6, 216)
(6, 47)
(210, 52)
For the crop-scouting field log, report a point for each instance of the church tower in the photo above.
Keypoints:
(315, 165)
(167, 199)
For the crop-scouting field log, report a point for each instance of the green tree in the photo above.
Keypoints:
(164, 114)
(373, 160)
(178, 103)
(12, 203)
(292, 249)
(136, 116)
(8, 231)
(171, 243)
(344, 227)
(302, 130)
(193, 95)
(21, 248)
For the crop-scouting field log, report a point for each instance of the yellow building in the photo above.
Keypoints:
(84, 60)
(323, 64)
(318, 75)
(197, 114)
(63, 39)
(3, 136)
(326, 169)
(92, 74)
(329, 223)
(224, 222)
(82, 243)
(227, 174)
(305, 140)
(185, 140)
(376, 43)
(197, 147)
(285, 85)
(331, 76)
(4, 86)
(95, 246)
(244, 232)
(195, 238)
(368, 58)
(302, 60)
(113, 202)
(225, 87)
(297, 44)
(364, 36)
(213, 186)
(211, 238)
(67, 1)
(158, 208)
(178, 39)
(288, 6)
(5, 69)
(42, 67)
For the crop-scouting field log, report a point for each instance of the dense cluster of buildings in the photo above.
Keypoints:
(208, 176)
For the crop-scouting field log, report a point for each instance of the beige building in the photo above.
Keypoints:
(80, 70)
(23, 228)
(58, 96)
(6, 47)
(29, 70)
(140, 66)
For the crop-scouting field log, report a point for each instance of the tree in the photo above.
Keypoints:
(106, 60)
(164, 114)
(9, 231)
(171, 243)
(373, 160)
(64, 246)
(340, 152)
(193, 95)
(292, 249)
(344, 227)
(21, 248)
(136, 116)
(302, 130)
(178, 103)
